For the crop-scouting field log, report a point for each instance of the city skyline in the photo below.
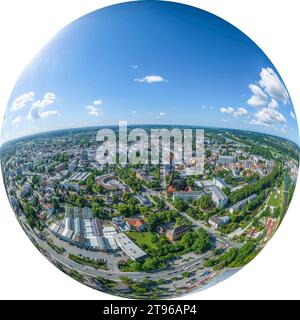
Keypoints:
(192, 74)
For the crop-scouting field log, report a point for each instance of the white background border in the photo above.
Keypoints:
(26, 26)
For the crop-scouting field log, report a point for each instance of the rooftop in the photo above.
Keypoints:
(219, 194)
(129, 247)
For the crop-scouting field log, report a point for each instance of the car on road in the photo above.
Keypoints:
(205, 273)
(193, 280)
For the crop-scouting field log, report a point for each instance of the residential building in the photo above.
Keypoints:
(143, 201)
(226, 160)
(241, 204)
(186, 195)
(218, 197)
(177, 232)
(220, 183)
(136, 224)
(215, 221)
(72, 166)
(84, 155)
(70, 186)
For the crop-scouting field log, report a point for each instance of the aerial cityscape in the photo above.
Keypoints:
(150, 230)
(125, 229)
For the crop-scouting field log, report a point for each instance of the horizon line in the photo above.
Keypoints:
(130, 125)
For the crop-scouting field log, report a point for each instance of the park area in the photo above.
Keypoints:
(275, 198)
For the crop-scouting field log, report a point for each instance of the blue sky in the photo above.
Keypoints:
(150, 62)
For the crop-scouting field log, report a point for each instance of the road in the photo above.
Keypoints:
(187, 266)
(115, 274)
(285, 193)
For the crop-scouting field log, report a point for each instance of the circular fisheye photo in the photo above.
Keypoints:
(150, 150)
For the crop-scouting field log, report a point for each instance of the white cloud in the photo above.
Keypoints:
(16, 121)
(162, 113)
(234, 112)
(272, 85)
(97, 102)
(269, 86)
(266, 96)
(240, 112)
(49, 114)
(49, 96)
(94, 110)
(151, 79)
(273, 104)
(227, 110)
(35, 111)
(259, 98)
(293, 115)
(268, 117)
(22, 100)
(258, 122)
(134, 66)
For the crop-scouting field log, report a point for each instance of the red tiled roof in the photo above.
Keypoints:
(137, 223)
(171, 189)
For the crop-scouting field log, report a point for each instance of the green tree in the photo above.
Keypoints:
(55, 203)
(180, 205)
(205, 201)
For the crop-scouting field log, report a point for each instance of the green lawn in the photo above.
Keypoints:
(142, 238)
(275, 199)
